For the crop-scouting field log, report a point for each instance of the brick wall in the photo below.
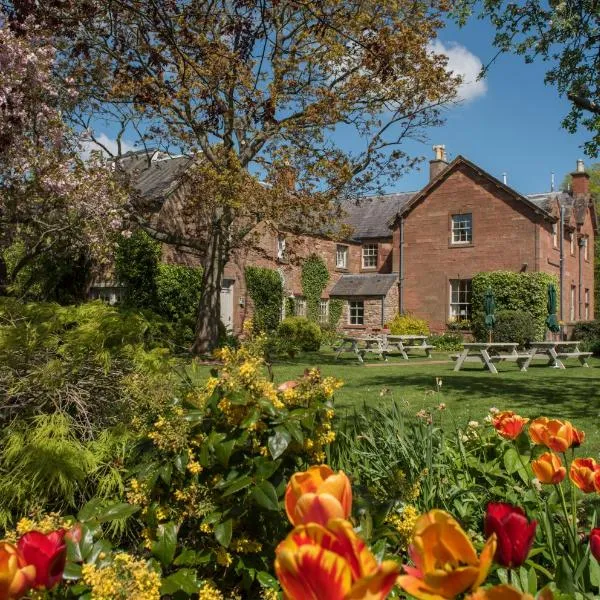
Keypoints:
(505, 237)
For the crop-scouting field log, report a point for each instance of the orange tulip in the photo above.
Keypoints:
(558, 436)
(578, 438)
(548, 468)
(446, 563)
(508, 424)
(16, 577)
(499, 592)
(583, 473)
(330, 496)
(537, 429)
(332, 563)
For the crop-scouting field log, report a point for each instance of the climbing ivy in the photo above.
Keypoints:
(314, 279)
(266, 290)
(526, 292)
(336, 306)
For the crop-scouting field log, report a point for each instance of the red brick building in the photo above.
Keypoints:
(413, 252)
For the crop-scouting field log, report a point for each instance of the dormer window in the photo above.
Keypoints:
(369, 256)
(281, 247)
(462, 229)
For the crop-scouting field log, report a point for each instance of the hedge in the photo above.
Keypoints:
(526, 292)
(511, 326)
(265, 287)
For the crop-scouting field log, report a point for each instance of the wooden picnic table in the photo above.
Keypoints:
(489, 353)
(360, 345)
(554, 351)
(408, 342)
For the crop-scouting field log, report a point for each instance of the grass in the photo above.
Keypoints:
(572, 393)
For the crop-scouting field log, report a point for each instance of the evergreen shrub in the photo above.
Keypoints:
(265, 287)
(299, 334)
(511, 326)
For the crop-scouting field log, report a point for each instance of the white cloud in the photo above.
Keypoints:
(88, 146)
(463, 63)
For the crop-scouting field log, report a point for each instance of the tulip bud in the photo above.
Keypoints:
(548, 468)
(48, 553)
(514, 532)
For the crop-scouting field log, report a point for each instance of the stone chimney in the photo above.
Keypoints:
(580, 180)
(439, 163)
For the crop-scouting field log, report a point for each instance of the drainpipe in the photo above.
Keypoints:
(382, 311)
(401, 265)
(562, 264)
(581, 244)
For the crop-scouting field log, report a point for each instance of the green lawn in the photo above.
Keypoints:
(572, 393)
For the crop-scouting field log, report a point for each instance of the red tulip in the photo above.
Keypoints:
(595, 543)
(48, 553)
(514, 532)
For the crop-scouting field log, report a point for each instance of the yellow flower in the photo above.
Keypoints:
(223, 557)
(210, 591)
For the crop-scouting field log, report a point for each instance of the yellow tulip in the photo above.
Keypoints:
(445, 562)
(332, 563)
(329, 496)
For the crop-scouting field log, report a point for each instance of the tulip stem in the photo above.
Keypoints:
(567, 519)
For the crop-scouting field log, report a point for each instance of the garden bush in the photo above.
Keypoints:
(298, 334)
(407, 324)
(314, 278)
(265, 287)
(447, 342)
(524, 292)
(511, 326)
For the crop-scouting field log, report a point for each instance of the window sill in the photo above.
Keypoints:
(469, 245)
(368, 269)
(355, 326)
(342, 269)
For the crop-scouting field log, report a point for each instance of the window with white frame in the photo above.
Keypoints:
(300, 307)
(369, 256)
(555, 235)
(572, 311)
(341, 256)
(460, 299)
(572, 244)
(323, 311)
(587, 304)
(585, 243)
(280, 247)
(356, 312)
(462, 229)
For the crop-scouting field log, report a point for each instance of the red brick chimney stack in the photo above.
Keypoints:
(439, 163)
(580, 180)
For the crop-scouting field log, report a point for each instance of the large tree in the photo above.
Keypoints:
(566, 35)
(313, 98)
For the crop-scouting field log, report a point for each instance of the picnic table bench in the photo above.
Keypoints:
(361, 345)
(408, 342)
(554, 351)
(488, 353)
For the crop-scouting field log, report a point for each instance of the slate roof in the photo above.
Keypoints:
(154, 175)
(369, 217)
(365, 284)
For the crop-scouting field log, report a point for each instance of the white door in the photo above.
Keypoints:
(227, 304)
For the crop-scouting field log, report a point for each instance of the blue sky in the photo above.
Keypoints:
(508, 123)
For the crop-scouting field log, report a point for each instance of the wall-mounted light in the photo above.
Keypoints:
(242, 302)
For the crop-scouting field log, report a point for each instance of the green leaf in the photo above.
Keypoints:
(184, 580)
(532, 581)
(223, 452)
(122, 510)
(502, 575)
(296, 430)
(181, 461)
(72, 571)
(223, 532)
(88, 511)
(166, 542)
(79, 551)
(265, 495)
(266, 580)
(564, 577)
(237, 484)
(279, 442)
(192, 558)
(194, 416)
(594, 572)
(265, 467)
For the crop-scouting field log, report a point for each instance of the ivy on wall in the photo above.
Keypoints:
(526, 292)
(314, 278)
(265, 287)
(336, 306)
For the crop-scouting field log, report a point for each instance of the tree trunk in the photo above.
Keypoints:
(208, 320)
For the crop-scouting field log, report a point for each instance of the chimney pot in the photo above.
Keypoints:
(580, 166)
(439, 163)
